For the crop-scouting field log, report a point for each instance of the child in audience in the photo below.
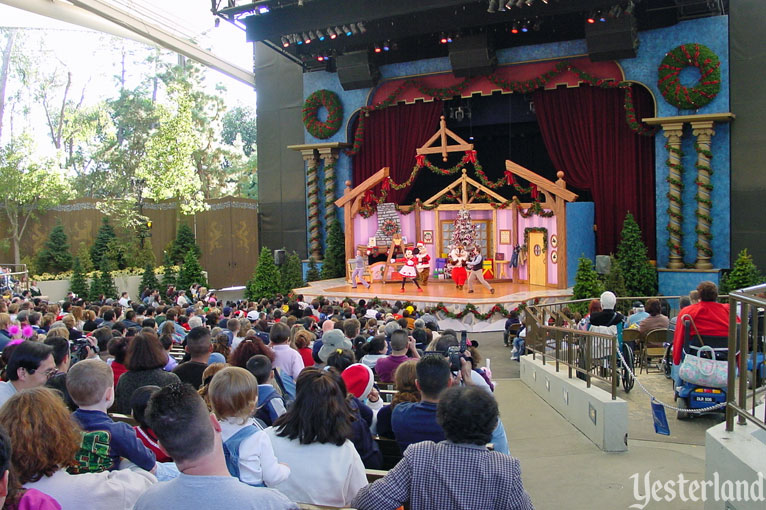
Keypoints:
(138, 402)
(233, 393)
(271, 405)
(91, 385)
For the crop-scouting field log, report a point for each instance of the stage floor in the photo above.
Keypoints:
(506, 292)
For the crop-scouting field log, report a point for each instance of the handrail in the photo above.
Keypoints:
(737, 397)
(22, 275)
(576, 349)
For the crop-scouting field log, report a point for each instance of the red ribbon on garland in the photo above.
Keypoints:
(470, 157)
(509, 177)
(534, 191)
(420, 160)
(386, 184)
(368, 198)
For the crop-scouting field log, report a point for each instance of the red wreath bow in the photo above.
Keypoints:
(509, 177)
(386, 184)
(420, 159)
(534, 191)
(470, 157)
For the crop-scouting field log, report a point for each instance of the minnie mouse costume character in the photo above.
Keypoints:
(458, 260)
(408, 270)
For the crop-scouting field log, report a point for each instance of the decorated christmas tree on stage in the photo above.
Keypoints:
(465, 232)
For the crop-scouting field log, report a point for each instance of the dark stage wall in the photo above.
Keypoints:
(747, 46)
(281, 175)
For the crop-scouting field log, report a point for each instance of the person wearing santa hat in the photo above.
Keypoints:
(424, 264)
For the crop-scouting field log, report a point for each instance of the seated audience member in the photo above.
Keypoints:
(656, 319)
(286, 359)
(31, 365)
(302, 343)
(144, 432)
(271, 405)
(45, 441)
(62, 358)
(233, 393)
(167, 343)
(638, 313)
(406, 391)
(709, 317)
(145, 361)
(207, 377)
(199, 347)
(332, 341)
(400, 344)
(221, 345)
(683, 302)
(358, 380)
(118, 348)
(192, 437)
(91, 385)
(373, 350)
(467, 415)
(312, 437)
(12, 496)
(249, 347)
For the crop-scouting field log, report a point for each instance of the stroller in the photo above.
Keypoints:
(693, 396)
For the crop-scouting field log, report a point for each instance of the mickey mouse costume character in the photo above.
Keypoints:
(424, 264)
(408, 269)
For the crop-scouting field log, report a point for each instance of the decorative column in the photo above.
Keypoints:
(330, 158)
(312, 185)
(673, 133)
(704, 132)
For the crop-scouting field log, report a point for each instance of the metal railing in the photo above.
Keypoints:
(16, 279)
(586, 354)
(745, 386)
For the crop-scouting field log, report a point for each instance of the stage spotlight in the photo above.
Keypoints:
(361, 27)
(614, 12)
(347, 30)
(545, 2)
(529, 2)
(298, 39)
(320, 35)
(515, 28)
(354, 30)
(443, 39)
(312, 35)
(630, 7)
(306, 38)
(338, 31)
(591, 19)
(263, 9)
(377, 47)
(285, 42)
(519, 3)
(525, 27)
(493, 6)
(386, 46)
(331, 33)
(320, 58)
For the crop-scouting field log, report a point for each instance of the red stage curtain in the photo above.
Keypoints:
(587, 137)
(391, 136)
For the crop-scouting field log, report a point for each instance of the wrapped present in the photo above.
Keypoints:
(488, 269)
(441, 263)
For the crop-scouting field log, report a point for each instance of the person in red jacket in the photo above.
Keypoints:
(710, 318)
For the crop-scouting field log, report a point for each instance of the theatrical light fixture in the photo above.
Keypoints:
(347, 30)
(386, 46)
(331, 33)
(306, 38)
(338, 31)
(354, 30)
(614, 12)
(298, 39)
(263, 9)
(530, 2)
(525, 27)
(378, 49)
(320, 35)
(312, 35)
(361, 27)
(591, 19)
(493, 6)
(285, 42)
(515, 28)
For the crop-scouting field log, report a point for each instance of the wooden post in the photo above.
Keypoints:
(349, 230)
(437, 233)
(417, 210)
(494, 242)
(515, 234)
(443, 126)
(561, 229)
(464, 189)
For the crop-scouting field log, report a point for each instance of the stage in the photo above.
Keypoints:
(507, 293)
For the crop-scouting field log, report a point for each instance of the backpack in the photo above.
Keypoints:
(231, 448)
(263, 412)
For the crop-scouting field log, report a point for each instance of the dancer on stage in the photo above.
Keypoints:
(475, 266)
(458, 258)
(424, 264)
(358, 272)
(408, 269)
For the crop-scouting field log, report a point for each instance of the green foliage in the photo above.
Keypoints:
(240, 121)
(78, 284)
(744, 274)
(334, 265)
(100, 246)
(148, 279)
(54, 256)
(94, 292)
(83, 253)
(266, 280)
(105, 281)
(183, 244)
(312, 274)
(587, 284)
(168, 276)
(292, 273)
(640, 275)
(191, 272)
(615, 282)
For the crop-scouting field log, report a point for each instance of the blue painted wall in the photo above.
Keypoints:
(581, 239)
(680, 283)
(654, 44)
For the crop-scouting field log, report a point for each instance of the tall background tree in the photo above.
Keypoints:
(54, 256)
(632, 255)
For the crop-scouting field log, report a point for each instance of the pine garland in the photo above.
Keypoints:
(700, 199)
(524, 86)
(677, 248)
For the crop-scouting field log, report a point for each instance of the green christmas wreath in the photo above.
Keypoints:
(317, 100)
(708, 86)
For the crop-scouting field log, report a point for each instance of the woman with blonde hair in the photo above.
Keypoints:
(45, 441)
(207, 377)
(77, 313)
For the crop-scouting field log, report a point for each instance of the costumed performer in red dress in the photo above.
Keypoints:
(408, 269)
(458, 259)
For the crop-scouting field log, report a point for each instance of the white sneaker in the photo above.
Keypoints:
(513, 352)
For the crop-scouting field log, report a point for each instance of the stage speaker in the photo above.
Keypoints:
(280, 257)
(472, 56)
(612, 39)
(355, 71)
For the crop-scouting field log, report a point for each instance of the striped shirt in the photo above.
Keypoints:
(432, 476)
